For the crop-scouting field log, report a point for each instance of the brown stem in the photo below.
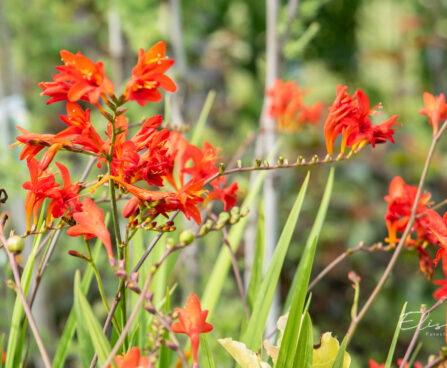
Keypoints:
(401, 244)
(341, 257)
(424, 315)
(237, 274)
(435, 362)
(26, 307)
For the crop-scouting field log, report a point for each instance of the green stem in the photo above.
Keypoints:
(119, 243)
(99, 282)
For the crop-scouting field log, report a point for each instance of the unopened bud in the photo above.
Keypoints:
(170, 243)
(15, 244)
(186, 237)
(75, 253)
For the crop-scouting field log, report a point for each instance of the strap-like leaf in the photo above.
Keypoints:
(96, 337)
(252, 336)
(302, 276)
(389, 359)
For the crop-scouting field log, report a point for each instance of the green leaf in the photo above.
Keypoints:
(303, 356)
(198, 130)
(252, 336)
(302, 276)
(340, 359)
(16, 338)
(223, 262)
(84, 313)
(389, 359)
(70, 326)
(258, 261)
(315, 231)
(207, 355)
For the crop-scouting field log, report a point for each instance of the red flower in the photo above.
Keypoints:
(42, 185)
(148, 75)
(415, 364)
(373, 364)
(227, 195)
(80, 129)
(132, 359)
(192, 322)
(435, 109)
(400, 203)
(3, 358)
(90, 223)
(287, 106)
(64, 197)
(349, 116)
(35, 142)
(442, 291)
(78, 79)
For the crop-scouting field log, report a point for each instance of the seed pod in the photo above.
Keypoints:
(186, 237)
(15, 244)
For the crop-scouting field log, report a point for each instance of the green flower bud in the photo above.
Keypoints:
(186, 237)
(15, 244)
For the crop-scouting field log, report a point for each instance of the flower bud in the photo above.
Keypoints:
(186, 237)
(15, 244)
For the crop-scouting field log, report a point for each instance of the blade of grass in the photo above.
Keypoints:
(83, 310)
(339, 359)
(314, 232)
(198, 130)
(70, 325)
(302, 276)
(258, 261)
(252, 336)
(389, 358)
(207, 355)
(303, 356)
(15, 342)
(223, 262)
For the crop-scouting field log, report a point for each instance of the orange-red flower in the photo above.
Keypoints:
(400, 200)
(3, 357)
(90, 223)
(35, 142)
(78, 79)
(132, 359)
(287, 106)
(435, 108)
(42, 185)
(227, 195)
(373, 364)
(148, 75)
(349, 117)
(192, 321)
(65, 197)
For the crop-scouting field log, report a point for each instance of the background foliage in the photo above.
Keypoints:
(394, 50)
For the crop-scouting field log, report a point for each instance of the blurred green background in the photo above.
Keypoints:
(393, 50)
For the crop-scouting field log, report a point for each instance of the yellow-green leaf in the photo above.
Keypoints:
(324, 356)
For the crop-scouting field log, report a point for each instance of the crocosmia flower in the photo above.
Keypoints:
(192, 322)
(349, 116)
(148, 76)
(288, 108)
(400, 203)
(132, 359)
(78, 79)
(435, 108)
(90, 223)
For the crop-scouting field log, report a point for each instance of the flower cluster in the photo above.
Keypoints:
(349, 116)
(288, 108)
(429, 227)
(159, 168)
